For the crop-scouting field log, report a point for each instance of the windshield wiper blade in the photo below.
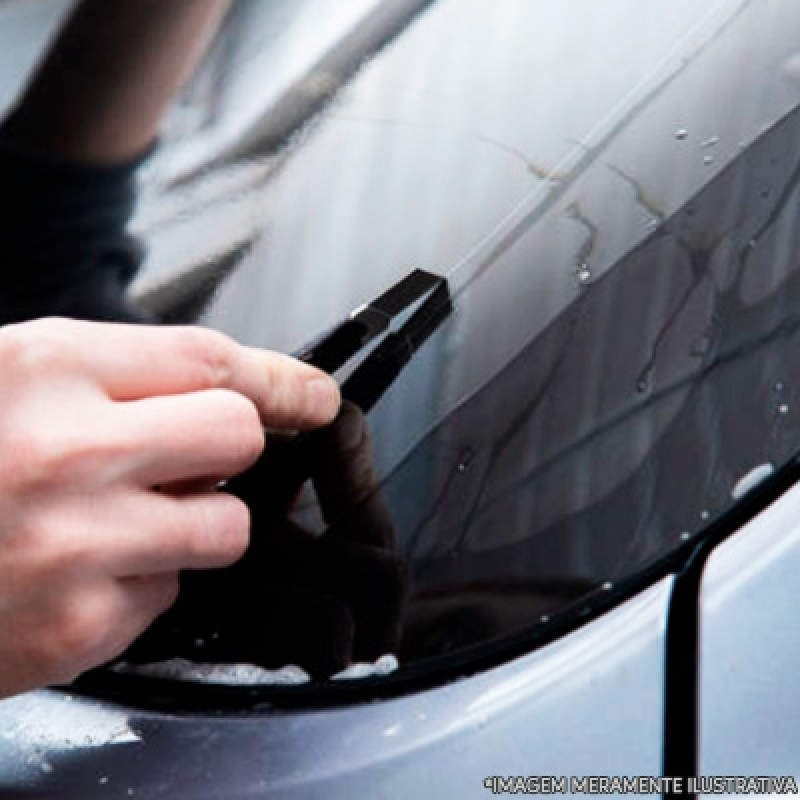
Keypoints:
(331, 351)
(375, 375)
(370, 380)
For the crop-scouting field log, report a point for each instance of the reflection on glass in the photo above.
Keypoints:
(319, 600)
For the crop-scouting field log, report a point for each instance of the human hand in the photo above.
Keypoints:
(319, 601)
(112, 439)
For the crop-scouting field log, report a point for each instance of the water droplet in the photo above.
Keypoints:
(608, 586)
(686, 536)
(705, 514)
(752, 243)
(778, 387)
(681, 134)
(46, 766)
(215, 635)
(465, 459)
(752, 479)
(710, 142)
(783, 409)
(104, 779)
(584, 274)
(130, 792)
(199, 642)
(544, 618)
(645, 381)
(708, 160)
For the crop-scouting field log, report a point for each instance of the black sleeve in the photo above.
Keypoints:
(64, 246)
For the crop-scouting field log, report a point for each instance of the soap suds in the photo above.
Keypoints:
(181, 669)
(385, 665)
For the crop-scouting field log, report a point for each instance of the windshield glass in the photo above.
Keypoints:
(599, 364)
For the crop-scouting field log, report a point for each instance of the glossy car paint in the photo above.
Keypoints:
(557, 711)
(749, 646)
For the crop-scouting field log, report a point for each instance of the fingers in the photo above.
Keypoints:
(158, 534)
(346, 484)
(92, 417)
(343, 472)
(369, 580)
(182, 438)
(134, 362)
(374, 584)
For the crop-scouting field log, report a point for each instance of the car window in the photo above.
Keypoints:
(599, 366)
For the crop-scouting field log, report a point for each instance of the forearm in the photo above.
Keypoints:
(102, 90)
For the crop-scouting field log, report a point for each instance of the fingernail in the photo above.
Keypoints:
(324, 398)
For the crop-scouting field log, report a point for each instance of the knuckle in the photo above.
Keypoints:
(36, 348)
(46, 457)
(80, 631)
(221, 528)
(284, 385)
(300, 393)
(209, 355)
(244, 426)
(51, 547)
(167, 592)
(87, 455)
(71, 555)
(154, 594)
(282, 394)
(172, 588)
(51, 455)
(28, 454)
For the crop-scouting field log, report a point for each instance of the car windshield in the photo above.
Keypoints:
(599, 365)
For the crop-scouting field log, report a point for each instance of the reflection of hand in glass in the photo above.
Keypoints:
(319, 601)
